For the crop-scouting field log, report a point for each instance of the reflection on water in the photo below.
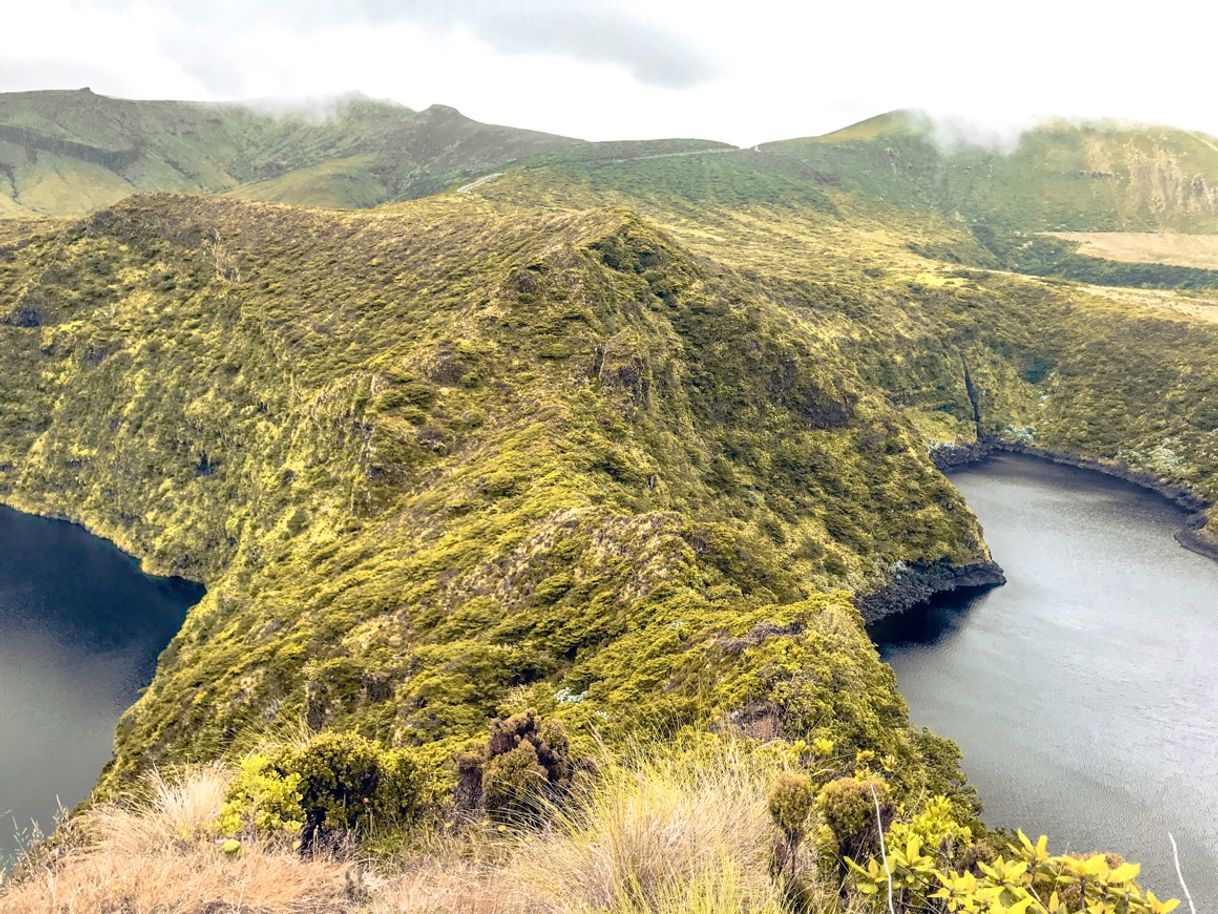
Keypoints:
(1084, 692)
(80, 630)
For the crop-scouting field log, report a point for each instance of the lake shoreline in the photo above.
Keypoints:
(1082, 692)
(918, 585)
(147, 565)
(82, 628)
(1191, 536)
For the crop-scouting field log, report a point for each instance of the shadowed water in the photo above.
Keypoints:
(80, 631)
(1084, 692)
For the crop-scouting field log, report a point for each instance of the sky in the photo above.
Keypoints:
(743, 72)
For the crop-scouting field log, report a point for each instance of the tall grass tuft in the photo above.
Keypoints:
(154, 854)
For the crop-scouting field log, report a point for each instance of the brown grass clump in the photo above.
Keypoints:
(156, 855)
(453, 886)
(661, 833)
(670, 832)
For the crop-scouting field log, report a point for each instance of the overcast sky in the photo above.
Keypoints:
(744, 71)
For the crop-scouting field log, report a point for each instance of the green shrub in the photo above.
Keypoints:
(514, 784)
(336, 783)
(791, 801)
(261, 800)
(348, 783)
(527, 762)
(848, 807)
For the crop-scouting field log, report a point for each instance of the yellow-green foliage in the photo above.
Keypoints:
(1026, 878)
(854, 809)
(262, 800)
(622, 441)
(345, 782)
(1121, 377)
(335, 783)
(790, 802)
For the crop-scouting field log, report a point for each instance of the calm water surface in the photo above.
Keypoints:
(1084, 692)
(80, 630)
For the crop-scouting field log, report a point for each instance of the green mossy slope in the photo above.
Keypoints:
(452, 460)
(1101, 176)
(1118, 376)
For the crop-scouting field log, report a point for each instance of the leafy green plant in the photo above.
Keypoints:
(1026, 878)
(262, 800)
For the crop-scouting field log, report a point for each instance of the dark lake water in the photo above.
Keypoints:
(80, 631)
(1084, 692)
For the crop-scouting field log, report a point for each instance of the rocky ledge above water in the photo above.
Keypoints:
(1193, 536)
(915, 584)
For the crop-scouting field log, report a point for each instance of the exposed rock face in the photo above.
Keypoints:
(950, 456)
(916, 584)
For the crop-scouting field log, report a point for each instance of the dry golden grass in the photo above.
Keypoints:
(445, 885)
(653, 830)
(155, 856)
(655, 835)
(1200, 251)
(683, 833)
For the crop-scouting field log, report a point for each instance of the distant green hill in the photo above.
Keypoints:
(1067, 176)
(71, 152)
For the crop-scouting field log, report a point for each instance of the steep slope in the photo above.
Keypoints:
(1118, 376)
(1016, 196)
(445, 462)
(636, 435)
(66, 153)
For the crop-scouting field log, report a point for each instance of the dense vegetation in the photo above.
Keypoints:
(609, 448)
(443, 464)
(1059, 176)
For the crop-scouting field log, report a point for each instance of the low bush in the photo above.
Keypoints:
(848, 808)
(526, 766)
(336, 784)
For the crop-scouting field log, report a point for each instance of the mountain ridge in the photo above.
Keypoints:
(354, 152)
(67, 152)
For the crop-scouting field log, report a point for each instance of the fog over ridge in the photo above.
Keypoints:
(635, 69)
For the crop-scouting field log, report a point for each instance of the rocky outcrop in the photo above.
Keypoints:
(916, 584)
(1193, 537)
(950, 455)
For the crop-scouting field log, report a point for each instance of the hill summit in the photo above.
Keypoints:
(70, 152)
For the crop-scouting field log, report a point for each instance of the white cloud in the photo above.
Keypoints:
(740, 72)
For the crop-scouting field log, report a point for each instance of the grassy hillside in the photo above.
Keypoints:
(67, 153)
(1120, 376)
(446, 463)
(1059, 176)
